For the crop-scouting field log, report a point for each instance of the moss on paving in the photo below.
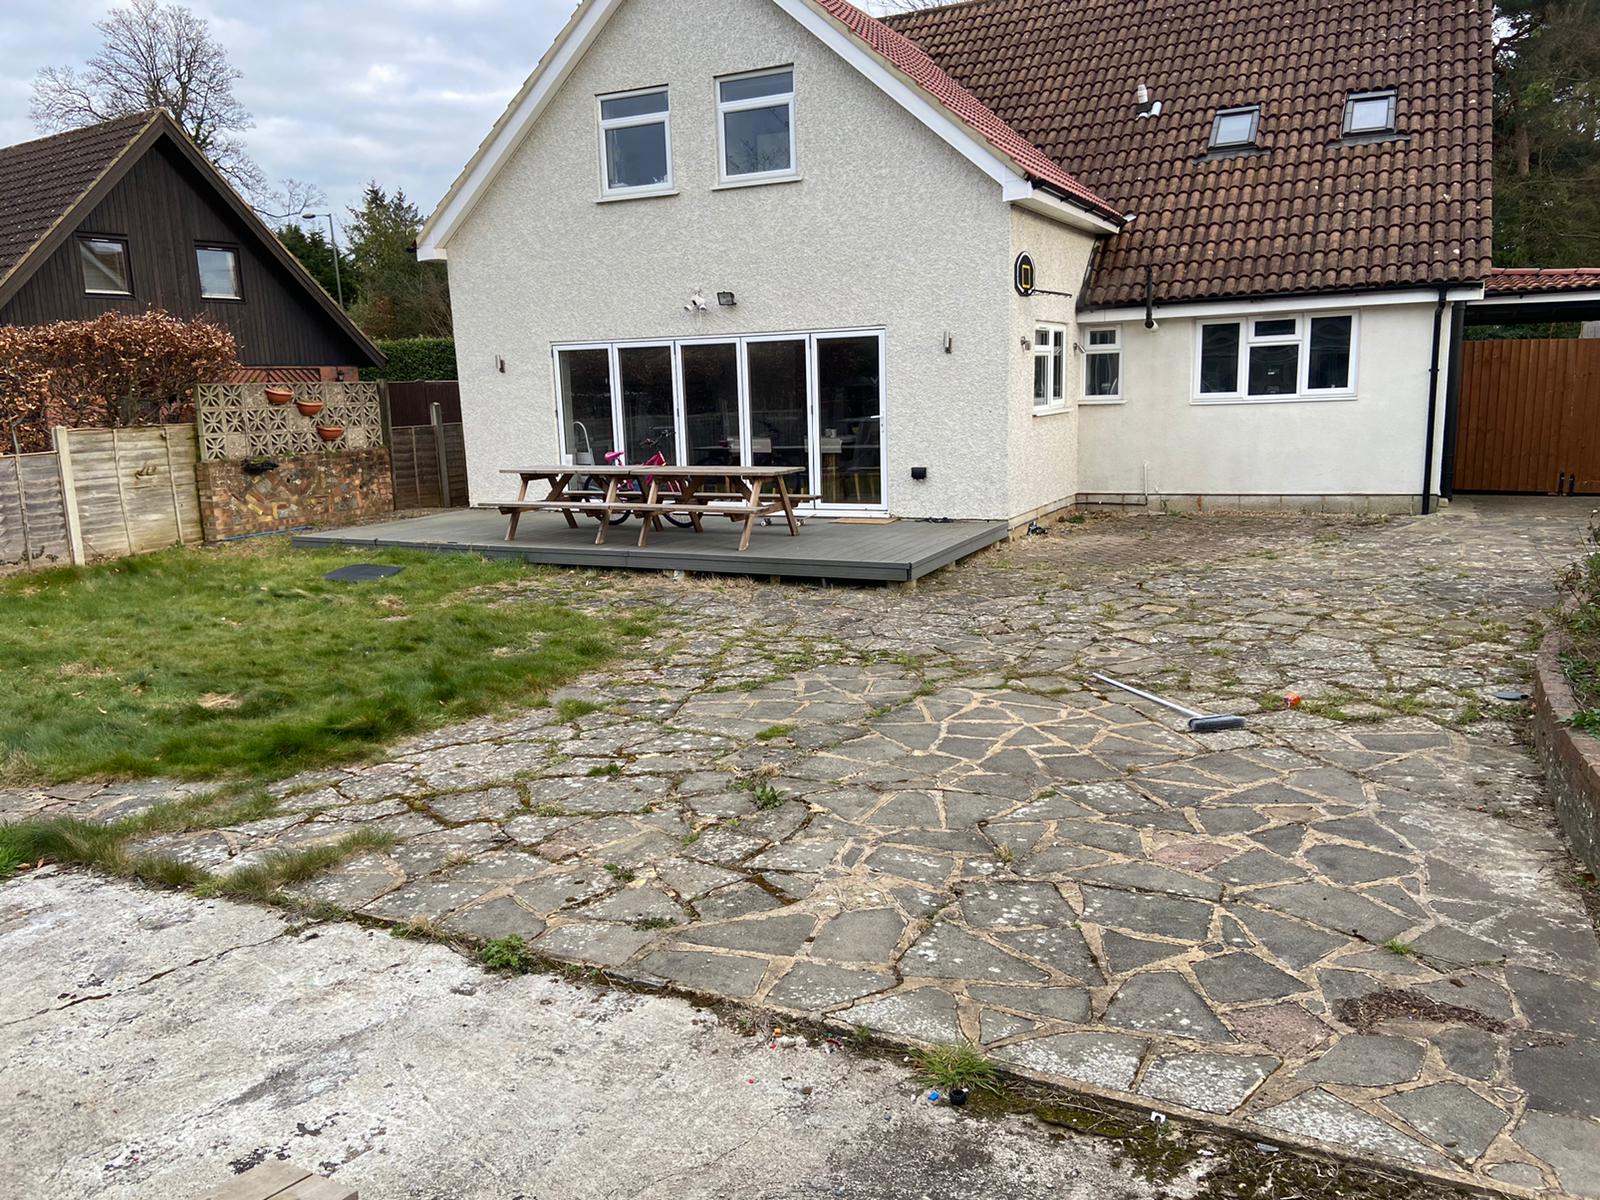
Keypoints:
(242, 661)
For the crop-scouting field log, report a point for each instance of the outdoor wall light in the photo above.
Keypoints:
(919, 472)
(726, 300)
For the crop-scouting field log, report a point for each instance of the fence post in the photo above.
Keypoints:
(436, 418)
(69, 494)
(385, 419)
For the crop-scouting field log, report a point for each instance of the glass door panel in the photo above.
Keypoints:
(645, 375)
(711, 403)
(584, 380)
(780, 426)
(850, 419)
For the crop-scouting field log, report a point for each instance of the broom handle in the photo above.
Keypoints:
(1143, 695)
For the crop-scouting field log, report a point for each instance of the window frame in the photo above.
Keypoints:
(127, 265)
(238, 272)
(1389, 94)
(1302, 338)
(1053, 349)
(792, 171)
(1090, 349)
(1249, 143)
(604, 124)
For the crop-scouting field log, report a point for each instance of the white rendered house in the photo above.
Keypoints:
(1135, 261)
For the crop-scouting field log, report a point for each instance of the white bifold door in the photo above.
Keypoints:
(813, 401)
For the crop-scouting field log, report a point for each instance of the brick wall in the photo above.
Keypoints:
(312, 489)
(1570, 756)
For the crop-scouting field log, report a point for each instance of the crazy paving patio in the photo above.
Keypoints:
(1352, 925)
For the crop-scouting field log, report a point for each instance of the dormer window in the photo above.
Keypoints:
(1232, 128)
(1368, 113)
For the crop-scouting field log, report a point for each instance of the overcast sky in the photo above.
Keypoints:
(400, 91)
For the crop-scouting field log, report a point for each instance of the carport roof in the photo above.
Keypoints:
(1535, 281)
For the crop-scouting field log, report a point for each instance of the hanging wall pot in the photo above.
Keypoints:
(277, 394)
(308, 408)
(330, 433)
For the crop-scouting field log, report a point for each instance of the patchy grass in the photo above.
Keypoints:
(509, 953)
(243, 662)
(620, 873)
(571, 710)
(609, 771)
(958, 1065)
(264, 881)
(1395, 946)
(773, 732)
(1580, 622)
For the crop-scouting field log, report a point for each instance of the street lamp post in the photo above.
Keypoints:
(338, 284)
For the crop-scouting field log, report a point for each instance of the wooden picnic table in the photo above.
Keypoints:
(657, 490)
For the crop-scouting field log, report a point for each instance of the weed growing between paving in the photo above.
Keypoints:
(958, 1065)
(243, 662)
(1580, 619)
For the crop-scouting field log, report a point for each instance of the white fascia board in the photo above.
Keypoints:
(1233, 308)
(570, 46)
(1545, 298)
(1025, 195)
(910, 96)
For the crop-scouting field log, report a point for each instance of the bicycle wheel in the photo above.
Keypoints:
(681, 520)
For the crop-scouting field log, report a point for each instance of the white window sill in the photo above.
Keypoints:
(1101, 401)
(651, 194)
(1053, 410)
(728, 185)
(1302, 398)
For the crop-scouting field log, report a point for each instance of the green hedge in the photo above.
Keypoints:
(415, 358)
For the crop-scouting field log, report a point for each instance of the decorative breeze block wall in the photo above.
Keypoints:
(237, 421)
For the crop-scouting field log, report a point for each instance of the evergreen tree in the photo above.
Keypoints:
(399, 297)
(316, 256)
(1547, 133)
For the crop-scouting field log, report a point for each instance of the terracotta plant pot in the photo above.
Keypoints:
(330, 433)
(308, 408)
(279, 395)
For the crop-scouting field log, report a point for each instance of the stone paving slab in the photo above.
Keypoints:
(1350, 924)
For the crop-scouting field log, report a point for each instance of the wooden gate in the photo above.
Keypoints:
(1529, 417)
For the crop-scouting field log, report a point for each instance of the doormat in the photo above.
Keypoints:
(361, 573)
(865, 520)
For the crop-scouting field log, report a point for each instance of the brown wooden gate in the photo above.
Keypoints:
(1529, 419)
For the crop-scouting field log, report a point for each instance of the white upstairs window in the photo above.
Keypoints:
(755, 126)
(635, 143)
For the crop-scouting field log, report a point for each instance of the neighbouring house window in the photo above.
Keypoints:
(1279, 357)
(635, 142)
(1049, 366)
(755, 115)
(1235, 127)
(219, 272)
(105, 266)
(1102, 363)
(1369, 112)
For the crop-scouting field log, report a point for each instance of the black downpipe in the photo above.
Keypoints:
(1452, 401)
(1149, 297)
(1433, 404)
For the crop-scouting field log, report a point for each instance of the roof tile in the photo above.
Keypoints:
(42, 179)
(1311, 212)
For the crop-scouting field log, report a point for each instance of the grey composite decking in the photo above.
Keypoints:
(893, 553)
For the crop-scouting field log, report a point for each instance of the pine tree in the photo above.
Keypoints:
(398, 296)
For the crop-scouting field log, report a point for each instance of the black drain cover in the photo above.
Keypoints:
(361, 573)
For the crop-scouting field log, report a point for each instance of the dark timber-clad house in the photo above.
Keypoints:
(128, 215)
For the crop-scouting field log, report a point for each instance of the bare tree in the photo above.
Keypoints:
(288, 201)
(155, 55)
(888, 8)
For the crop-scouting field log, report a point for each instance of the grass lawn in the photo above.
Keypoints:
(242, 663)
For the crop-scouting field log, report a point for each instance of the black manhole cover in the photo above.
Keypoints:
(361, 573)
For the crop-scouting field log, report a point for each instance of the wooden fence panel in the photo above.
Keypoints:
(134, 488)
(414, 457)
(33, 515)
(1528, 417)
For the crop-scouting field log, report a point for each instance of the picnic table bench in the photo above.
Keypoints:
(655, 491)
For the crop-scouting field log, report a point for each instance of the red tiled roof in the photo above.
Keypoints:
(1309, 212)
(1522, 281)
(909, 59)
